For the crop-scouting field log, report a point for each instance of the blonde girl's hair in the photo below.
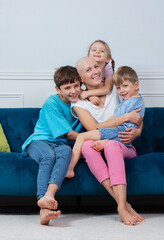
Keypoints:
(107, 49)
(124, 73)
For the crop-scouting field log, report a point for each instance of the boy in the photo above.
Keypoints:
(49, 145)
(127, 84)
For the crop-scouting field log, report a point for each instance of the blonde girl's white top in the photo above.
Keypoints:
(100, 114)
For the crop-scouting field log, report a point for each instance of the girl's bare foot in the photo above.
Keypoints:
(47, 202)
(70, 174)
(134, 213)
(46, 215)
(99, 145)
(126, 217)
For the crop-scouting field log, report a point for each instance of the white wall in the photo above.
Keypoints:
(38, 36)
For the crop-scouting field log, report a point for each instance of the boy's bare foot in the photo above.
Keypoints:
(70, 174)
(46, 215)
(47, 202)
(126, 217)
(99, 145)
(134, 213)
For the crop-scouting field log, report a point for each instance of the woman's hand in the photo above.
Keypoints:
(129, 135)
(135, 117)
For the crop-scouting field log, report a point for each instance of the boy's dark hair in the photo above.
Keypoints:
(65, 75)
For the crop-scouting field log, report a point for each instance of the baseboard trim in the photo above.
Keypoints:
(48, 75)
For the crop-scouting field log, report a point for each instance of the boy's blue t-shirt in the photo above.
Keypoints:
(129, 105)
(126, 106)
(55, 120)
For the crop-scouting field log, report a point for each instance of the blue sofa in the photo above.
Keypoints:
(18, 172)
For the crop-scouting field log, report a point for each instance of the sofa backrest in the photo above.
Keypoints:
(152, 137)
(18, 124)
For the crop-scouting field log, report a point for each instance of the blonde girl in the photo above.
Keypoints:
(100, 51)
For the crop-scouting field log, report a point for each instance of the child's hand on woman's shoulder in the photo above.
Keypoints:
(95, 100)
(83, 95)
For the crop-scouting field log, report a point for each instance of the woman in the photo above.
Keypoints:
(93, 117)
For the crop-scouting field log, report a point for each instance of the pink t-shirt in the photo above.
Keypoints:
(107, 72)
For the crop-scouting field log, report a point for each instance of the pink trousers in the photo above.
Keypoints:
(114, 152)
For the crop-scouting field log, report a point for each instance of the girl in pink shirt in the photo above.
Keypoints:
(101, 53)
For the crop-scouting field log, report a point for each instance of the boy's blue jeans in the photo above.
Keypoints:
(53, 159)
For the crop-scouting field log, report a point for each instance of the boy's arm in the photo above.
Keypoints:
(72, 135)
(107, 88)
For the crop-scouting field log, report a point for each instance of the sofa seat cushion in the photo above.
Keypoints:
(145, 174)
(88, 184)
(18, 174)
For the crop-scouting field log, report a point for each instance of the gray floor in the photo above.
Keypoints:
(80, 226)
(95, 220)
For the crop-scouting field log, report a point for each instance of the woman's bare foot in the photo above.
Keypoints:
(126, 217)
(99, 145)
(134, 213)
(47, 202)
(70, 174)
(46, 215)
